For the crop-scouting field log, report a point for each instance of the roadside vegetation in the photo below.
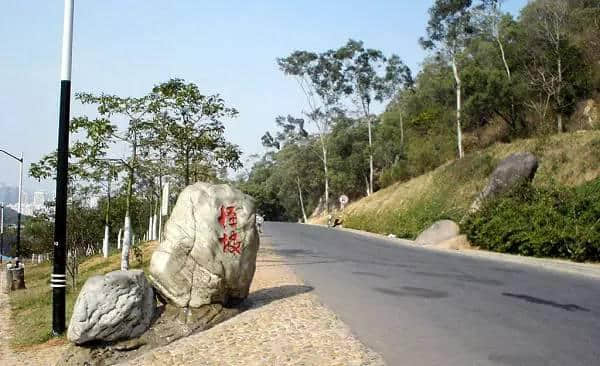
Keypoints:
(550, 221)
(492, 84)
(408, 148)
(31, 309)
(569, 163)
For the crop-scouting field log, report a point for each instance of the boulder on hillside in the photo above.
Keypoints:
(438, 232)
(515, 169)
(209, 250)
(118, 305)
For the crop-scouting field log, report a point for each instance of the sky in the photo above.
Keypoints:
(225, 47)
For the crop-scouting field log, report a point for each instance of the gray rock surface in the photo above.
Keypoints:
(516, 168)
(438, 232)
(171, 324)
(208, 254)
(118, 305)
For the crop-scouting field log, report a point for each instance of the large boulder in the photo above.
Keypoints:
(118, 305)
(208, 254)
(515, 169)
(438, 232)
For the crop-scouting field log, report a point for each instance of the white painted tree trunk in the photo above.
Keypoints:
(150, 226)
(154, 228)
(119, 238)
(105, 242)
(126, 244)
(461, 152)
(159, 225)
(301, 200)
(402, 129)
(326, 175)
(370, 189)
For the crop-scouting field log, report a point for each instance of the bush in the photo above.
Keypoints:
(556, 222)
(409, 220)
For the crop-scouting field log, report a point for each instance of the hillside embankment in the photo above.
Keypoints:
(405, 209)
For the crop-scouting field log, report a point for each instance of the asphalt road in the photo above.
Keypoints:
(418, 307)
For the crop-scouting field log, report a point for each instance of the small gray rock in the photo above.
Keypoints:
(516, 168)
(118, 305)
(438, 232)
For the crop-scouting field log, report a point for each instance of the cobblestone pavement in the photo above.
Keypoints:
(287, 325)
(46, 354)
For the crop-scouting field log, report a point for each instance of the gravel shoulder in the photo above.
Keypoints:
(286, 325)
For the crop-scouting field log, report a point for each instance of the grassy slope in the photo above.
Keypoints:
(407, 208)
(31, 309)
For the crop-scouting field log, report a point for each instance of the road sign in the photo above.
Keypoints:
(343, 201)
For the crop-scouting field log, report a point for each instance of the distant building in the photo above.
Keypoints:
(39, 198)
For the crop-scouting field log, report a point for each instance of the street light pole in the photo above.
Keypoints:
(20, 160)
(18, 251)
(58, 278)
(1, 230)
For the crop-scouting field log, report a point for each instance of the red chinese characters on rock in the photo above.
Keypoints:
(232, 243)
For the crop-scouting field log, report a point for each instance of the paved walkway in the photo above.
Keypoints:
(46, 354)
(286, 326)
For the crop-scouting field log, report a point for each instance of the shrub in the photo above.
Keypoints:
(557, 222)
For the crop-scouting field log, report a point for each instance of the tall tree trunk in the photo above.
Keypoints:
(513, 115)
(160, 192)
(503, 56)
(187, 168)
(301, 200)
(154, 235)
(370, 190)
(402, 129)
(558, 92)
(461, 153)
(119, 238)
(105, 242)
(326, 174)
(127, 236)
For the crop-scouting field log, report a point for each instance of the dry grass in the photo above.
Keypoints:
(31, 309)
(407, 208)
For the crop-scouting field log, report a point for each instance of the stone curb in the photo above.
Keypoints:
(591, 270)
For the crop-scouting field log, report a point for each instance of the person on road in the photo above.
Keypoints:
(259, 222)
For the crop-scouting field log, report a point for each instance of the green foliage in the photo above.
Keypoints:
(409, 221)
(544, 222)
(440, 201)
(31, 310)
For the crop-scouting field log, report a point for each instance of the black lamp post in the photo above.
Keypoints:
(58, 278)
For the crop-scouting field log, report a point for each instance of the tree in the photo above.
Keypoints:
(555, 66)
(370, 76)
(552, 16)
(195, 131)
(135, 111)
(321, 79)
(448, 31)
(292, 134)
